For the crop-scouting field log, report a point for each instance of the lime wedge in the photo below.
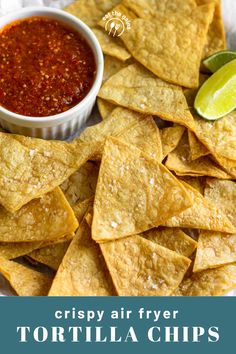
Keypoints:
(217, 96)
(217, 60)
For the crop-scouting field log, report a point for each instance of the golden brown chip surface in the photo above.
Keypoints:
(90, 11)
(212, 134)
(180, 161)
(134, 193)
(214, 250)
(170, 138)
(211, 282)
(216, 40)
(172, 238)
(171, 46)
(111, 46)
(82, 184)
(223, 193)
(139, 267)
(31, 167)
(203, 214)
(150, 8)
(25, 281)
(51, 255)
(112, 66)
(131, 127)
(197, 149)
(83, 271)
(105, 108)
(47, 218)
(138, 89)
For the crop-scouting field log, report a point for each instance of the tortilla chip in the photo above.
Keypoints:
(214, 250)
(51, 255)
(112, 66)
(181, 162)
(150, 8)
(212, 134)
(139, 267)
(82, 184)
(170, 138)
(31, 167)
(25, 281)
(133, 193)
(196, 182)
(47, 218)
(145, 135)
(138, 89)
(173, 239)
(223, 193)
(119, 121)
(81, 208)
(90, 11)
(111, 46)
(83, 271)
(124, 11)
(176, 61)
(203, 214)
(190, 94)
(211, 282)
(130, 127)
(10, 250)
(216, 39)
(105, 108)
(197, 149)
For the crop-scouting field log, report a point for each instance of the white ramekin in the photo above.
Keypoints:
(62, 125)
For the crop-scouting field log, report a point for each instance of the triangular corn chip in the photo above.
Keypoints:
(47, 218)
(81, 208)
(139, 267)
(150, 8)
(51, 255)
(212, 134)
(211, 282)
(105, 108)
(131, 127)
(25, 281)
(134, 193)
(203, 214)
(83, 271)
(180, 161)
(31, 167)
(173, 239)
(170, 138)
(82, 184)
(111, 46)
(197, 149)
(216, 40)
(223, 193)
(214, 250)
(151, 43)
(91, 11)
(138, 89)
(11, 250)
(112, 66)
(196, 182)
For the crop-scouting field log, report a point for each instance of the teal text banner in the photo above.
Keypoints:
(117, 325)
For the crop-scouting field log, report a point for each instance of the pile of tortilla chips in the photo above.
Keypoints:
(143, 203)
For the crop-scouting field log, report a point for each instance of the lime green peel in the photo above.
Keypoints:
(217, 96)
(217, 60)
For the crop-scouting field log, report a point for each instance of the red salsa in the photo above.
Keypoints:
(45, 67)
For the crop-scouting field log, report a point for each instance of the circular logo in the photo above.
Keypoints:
(115, 27)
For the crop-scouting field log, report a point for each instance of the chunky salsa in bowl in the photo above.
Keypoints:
(48, 67)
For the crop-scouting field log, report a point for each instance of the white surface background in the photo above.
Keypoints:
(229, 13)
